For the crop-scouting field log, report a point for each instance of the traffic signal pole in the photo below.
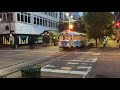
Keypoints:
(117, 25)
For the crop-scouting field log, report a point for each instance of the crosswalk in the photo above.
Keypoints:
(78, 66)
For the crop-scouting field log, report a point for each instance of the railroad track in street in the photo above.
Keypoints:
(12, 69)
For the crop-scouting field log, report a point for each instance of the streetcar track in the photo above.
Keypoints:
(42, 60)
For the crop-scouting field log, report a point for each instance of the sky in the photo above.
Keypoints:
(82, 13)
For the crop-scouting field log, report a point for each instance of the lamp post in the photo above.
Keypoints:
(9, 22)
(69, 18)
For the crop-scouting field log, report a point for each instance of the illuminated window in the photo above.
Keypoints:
(63, 37)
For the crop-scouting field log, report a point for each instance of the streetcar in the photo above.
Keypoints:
(71, 39)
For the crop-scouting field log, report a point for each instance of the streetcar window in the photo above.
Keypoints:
(63, 37)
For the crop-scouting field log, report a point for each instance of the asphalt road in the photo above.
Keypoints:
(81, 63)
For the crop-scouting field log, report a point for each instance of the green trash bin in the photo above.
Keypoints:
(31, 72)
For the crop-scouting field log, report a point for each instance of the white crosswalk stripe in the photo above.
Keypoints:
(81, 66)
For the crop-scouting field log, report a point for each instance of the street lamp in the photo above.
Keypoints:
(8, 27)
(9, 21)
(69, 17)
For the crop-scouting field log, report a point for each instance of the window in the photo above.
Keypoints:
(40, 20)
(45, 12)
(8, 17)
(25, 17)
(56, 24)
(11, 16)
(63, 37)
(53, 24)
(29, 18)
(22, 19)
(53, 14)
(4, 17)
(18, 17)
(34, 20)
(49, 22)
(56, 15)
(60, 15)
(43, 22)
(49, 13)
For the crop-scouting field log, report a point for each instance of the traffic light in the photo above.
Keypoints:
(117, 24)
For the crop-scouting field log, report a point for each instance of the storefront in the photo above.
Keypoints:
(50, 37)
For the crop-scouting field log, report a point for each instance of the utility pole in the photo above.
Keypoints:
(9, 22)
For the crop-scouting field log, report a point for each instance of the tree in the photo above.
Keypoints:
(62, 26)
(98, 24)
(79, 26)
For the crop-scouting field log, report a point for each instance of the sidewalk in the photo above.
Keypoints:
(26, 47)
(108, 63)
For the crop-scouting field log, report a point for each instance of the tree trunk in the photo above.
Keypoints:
(96, 42)
(101, 40)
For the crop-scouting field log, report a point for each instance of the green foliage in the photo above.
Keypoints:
(77, 26)
(62, 26)
(98, 24)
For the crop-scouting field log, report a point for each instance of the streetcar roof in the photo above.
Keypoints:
(68, 32)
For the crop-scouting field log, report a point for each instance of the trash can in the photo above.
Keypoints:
(31, 72)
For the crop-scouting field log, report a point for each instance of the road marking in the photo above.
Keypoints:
(93, 53)
(66, 68)
(46, 70)
(78, 72)
(60, 71)
(84, 63)
(48, 66)
(83, 67)
(87, 60)
(72, 63)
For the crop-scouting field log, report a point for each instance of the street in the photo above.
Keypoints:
(55, 63)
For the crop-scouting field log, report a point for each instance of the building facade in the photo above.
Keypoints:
(25, 24)
(117, 16)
